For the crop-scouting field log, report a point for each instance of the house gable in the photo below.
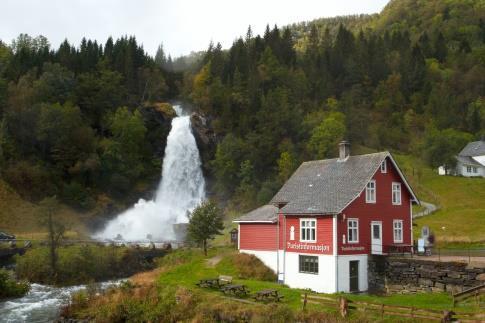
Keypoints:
(383, 210)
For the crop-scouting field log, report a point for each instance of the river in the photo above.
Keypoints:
(42, 303)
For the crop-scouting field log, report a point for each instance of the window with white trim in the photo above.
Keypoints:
(475, 170)
(353, 230)
(308, 230)
(370, 192)
(397, 227)
(396, 193)
(384, 167)
(468, 169)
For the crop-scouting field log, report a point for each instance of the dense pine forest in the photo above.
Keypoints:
(410, 79)
(74, 120)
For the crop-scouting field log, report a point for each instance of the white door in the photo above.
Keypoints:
(376, 234)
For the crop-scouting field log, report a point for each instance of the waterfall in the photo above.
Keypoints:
(180, 190)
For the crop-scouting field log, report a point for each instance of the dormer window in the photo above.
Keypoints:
(370, 192)
(384, 167)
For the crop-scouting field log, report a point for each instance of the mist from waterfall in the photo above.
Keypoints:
(180, 190)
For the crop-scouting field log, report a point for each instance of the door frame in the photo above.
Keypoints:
(357, 274)
(376, 250)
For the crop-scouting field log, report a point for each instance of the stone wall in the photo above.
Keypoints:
(410, 275)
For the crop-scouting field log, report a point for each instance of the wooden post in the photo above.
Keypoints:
(304, 302)
(447, 316)
(382, 310)
(412, 311)
(343, 306)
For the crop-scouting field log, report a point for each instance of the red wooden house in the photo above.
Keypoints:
(320, 228)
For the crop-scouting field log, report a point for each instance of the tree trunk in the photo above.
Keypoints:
(53, 246)
(204, 244)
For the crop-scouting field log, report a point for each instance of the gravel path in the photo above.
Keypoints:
(212, 262)
(429, 208)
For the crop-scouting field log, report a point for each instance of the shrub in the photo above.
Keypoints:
(75, 195)
(177, 258)
(81, 264)
(31, 181)
(250, 267)
(11, 288)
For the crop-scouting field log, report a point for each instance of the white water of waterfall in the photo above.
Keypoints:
(180, 190)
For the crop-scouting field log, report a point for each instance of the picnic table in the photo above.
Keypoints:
(211, 283)
(222, 280)
(237, 290)
(268, 294)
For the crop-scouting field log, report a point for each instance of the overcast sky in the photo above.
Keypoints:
(181, 25)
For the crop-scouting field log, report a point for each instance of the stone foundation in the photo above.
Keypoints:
(411, 275)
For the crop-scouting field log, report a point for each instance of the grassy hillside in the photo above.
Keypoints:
(22, 218)
(462, 202)
(150, 298)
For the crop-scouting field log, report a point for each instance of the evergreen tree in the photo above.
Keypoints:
(440, 48)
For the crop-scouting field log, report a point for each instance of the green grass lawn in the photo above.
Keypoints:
(461, 218)
(188, 267)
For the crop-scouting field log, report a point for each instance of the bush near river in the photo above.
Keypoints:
(9, 287)
(81, 264)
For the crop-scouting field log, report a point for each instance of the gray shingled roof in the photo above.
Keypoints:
(265, 213)
(468, 160)
(327, 186)
(323, 187)
(476, 148)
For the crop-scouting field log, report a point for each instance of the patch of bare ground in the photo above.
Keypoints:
(212, 262)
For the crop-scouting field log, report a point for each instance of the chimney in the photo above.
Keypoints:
(344, 150)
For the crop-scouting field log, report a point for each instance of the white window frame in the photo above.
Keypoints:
(384, 167)
(369, 189)
(474, 170)
(396, 188)
(356, 228)
(468, 169)
(396, 229)
(302, 221)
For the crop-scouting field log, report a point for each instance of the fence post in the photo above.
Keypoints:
(439, 254)
(382, 311)
(469, 258)
(412, 311)
(304, 302)
(447, 316)
(343, 306)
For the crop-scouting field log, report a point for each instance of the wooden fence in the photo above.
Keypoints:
(468, 293)
(344, 305)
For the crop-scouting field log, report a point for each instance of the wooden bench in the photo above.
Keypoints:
(268, 295)
(224, 280)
